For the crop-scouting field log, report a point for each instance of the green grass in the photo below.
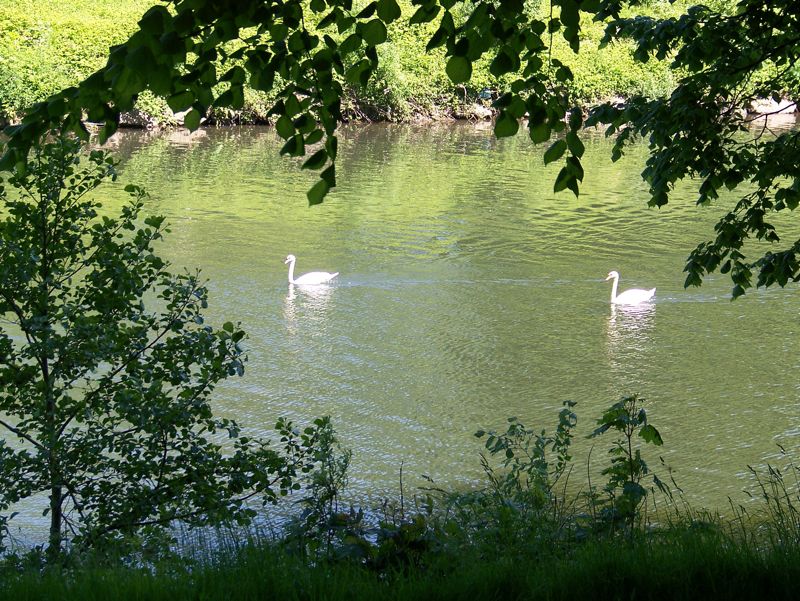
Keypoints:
(681, 564)
(48, 45)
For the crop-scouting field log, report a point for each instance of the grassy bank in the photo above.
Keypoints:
(521, 536)
(678, 564)
(48, 45)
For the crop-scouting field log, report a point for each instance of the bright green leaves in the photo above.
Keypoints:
(176, 53)
(572, 172)
(458, 69)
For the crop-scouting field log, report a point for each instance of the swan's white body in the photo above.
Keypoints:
(311, 278)
(634, 296)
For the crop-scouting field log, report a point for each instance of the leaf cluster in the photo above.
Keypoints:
(533, 462)
(628, 468)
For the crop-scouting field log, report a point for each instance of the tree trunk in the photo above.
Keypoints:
(54, 546)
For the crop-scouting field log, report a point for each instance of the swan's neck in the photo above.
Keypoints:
(291, 272)
(613, 289)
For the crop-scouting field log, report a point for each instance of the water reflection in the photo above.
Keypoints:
(443, 345)
(310, 303)
(629, 340)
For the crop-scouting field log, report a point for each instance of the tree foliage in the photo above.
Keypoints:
(200, 54)
(107, 401)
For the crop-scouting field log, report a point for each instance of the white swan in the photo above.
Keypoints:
(634, 296)
(314, 277)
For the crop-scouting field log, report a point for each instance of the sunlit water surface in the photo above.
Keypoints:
(468, 292)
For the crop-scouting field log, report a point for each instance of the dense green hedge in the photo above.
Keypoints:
(47, 45)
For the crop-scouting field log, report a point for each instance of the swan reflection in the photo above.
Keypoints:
(309, 303)
(629, 340)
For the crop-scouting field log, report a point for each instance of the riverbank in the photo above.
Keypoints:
(46, 46)
(692, 560)
(521, 536)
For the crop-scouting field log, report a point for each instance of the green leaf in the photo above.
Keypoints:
(328, 20)
(569, 13)
(140, 59)
(329, 175)
(294, 146)
(389, 10)
(539, 132)
(192, 119)
(237, 97)
(350, 44)
(367, 11)
(284, 127)
(650, 435)
(575, 167)
(154, 20)
(317, 192)
(374, 32)
(332, 146)
(562, 180)
(436, 40)
(563, 74)
(424, 14)
(506, 125)
(180, 101)
(314, 137)
(459, 69)
(108, 130)
(292, 105)
(506, 61)
(575, 145)
(555, 151)
(316, 160)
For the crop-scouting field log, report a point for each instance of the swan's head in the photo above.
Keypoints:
(289, 259)
(611, 275)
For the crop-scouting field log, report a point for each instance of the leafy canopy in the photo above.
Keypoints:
(202, 53)
(105, 400)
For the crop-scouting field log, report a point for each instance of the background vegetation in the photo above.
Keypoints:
(49, 45)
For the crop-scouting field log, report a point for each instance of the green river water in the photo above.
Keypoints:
(468, 292)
